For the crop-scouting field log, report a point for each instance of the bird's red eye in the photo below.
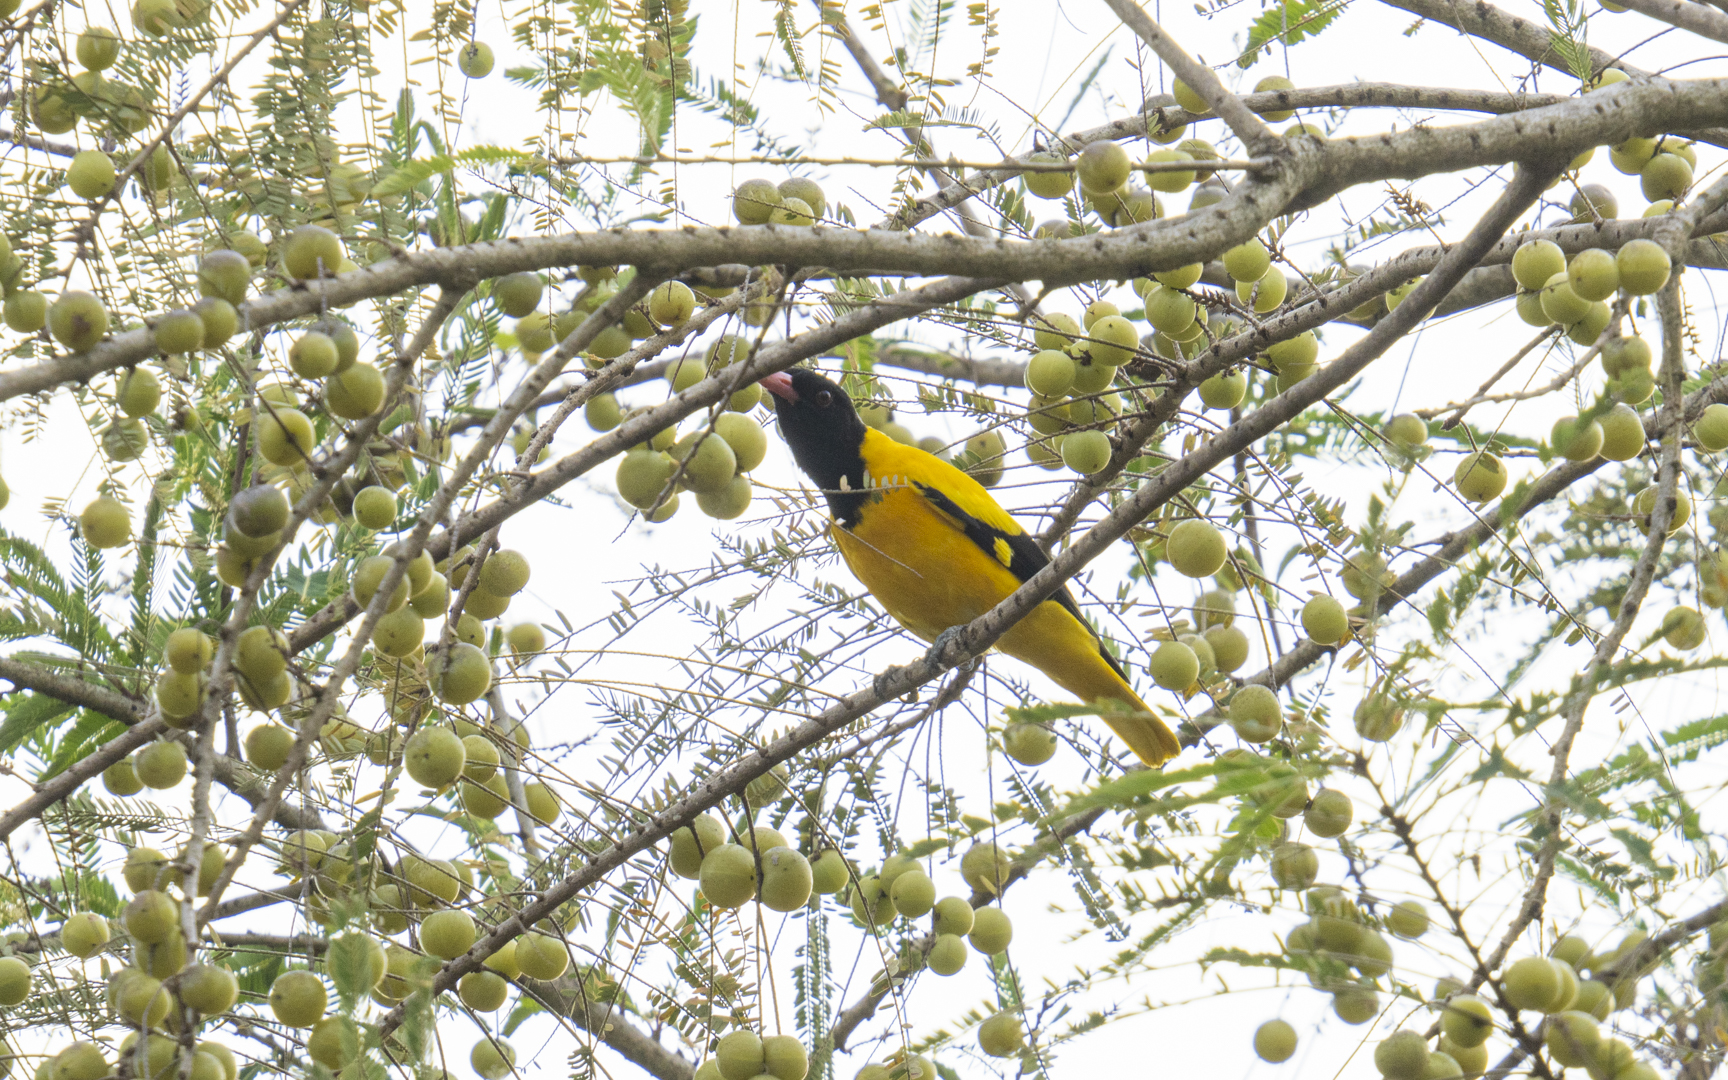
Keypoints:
(824, 399)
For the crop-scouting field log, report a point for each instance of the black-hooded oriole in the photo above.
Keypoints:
(937, 551)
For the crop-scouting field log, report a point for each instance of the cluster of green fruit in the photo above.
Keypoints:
(746, 1055)
(758, 863)
(1573, 1006)
(164, 1058)
(1573, 294)
(1663, 164)
(110, 109)
(797, 200)
(1188, 656)
(462, 757)
(902, 889)
(1343, 953)
(1072, 406)
(518, 296)
(710, 460)
(285, 439)
(140, 992)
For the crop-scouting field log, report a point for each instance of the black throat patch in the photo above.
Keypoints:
(827, 440)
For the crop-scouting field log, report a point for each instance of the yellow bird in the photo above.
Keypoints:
(937, 551)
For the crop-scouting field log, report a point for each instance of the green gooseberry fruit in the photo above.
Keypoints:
(492, 1059)
(121, 778)
(1224, 390)
(1408, 919)
(754, 201)
(1593, 275)
(1328, 814)
(90, 174)
(284, 436)
(728, 876)
(542, 956)
(730, 502)
(26, 311)
(434, 757)
(792, 211)
(1575, 440)
(1188, 99)
(1665, 176)
(104, 523)
(1531, 983)
(313, 355)
(1593, 202)
(209, 988)
(310, 251)
(1536, 262)
(1174, 666)
(375, 508)
(1195, 548)
(1407, 430)
(139, 391)
(1294, 866)
(1643, 266)
(179, 331)
(1248, 261)
(1402, 1055)
(829, 872)
(787, 879)
(992, 931)
(464, 675)
(1028, 744)
(1255, 714)
(1001, 1035)
(1356, 1004)
(1102, 167)
(1275, 1040)
(475, 60)
(219, 318)
(98, 48)
(298, 998)
(1169, 181)
(356, 393)
(1054, 184)
(1645, 505)
(1480, 476)
(518, 295)
(78, 320)
(268, 745)
(1086, 452)
(913, 893)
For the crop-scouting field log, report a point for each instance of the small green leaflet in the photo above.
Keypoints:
(27, 713)
(410, 174)
(1233, 779)
(1289, 22)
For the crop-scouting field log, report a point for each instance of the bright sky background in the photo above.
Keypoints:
(583, 553)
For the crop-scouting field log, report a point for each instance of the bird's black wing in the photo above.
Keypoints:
(1017, 551)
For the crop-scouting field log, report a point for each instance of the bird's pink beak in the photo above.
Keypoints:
(780, 385)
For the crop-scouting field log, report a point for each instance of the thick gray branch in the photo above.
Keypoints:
(1703, 21)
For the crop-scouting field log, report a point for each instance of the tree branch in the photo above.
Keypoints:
(1696, 18)
(1250, 129)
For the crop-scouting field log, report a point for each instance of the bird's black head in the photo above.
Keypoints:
(826, 435)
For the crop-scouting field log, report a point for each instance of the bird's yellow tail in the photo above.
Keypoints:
(1064, 648)
(1149, 737)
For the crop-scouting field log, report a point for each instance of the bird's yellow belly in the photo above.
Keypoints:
(922, 569)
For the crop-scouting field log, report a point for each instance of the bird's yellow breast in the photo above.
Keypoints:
(916, 559)
(927, 574)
